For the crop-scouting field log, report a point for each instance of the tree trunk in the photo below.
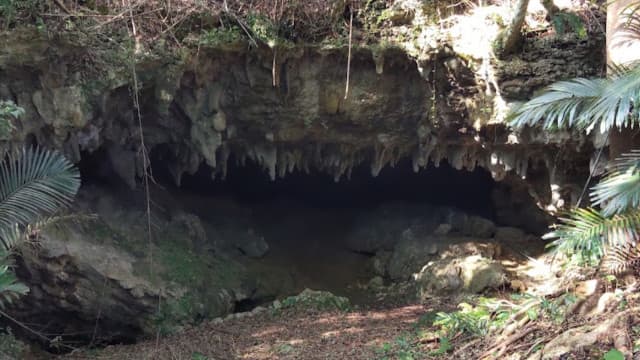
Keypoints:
(513, 38)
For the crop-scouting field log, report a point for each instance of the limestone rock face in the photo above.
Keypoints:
(101, 268)
(68, 275)
(471, 274)
(209, 106)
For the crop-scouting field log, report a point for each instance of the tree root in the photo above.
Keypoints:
(500, 349)
(615, 329)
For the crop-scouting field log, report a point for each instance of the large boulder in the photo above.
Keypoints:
(413, 252)
(471, 274)
(410, 254)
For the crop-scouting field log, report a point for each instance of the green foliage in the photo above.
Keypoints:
(619, 191)
(584, 104)
(33, 183)
(636, 335)
(10, 288)
(478, 320)
(319, 300)
(613, 354)
(175, 313)
(222, 37)
(198, 356)
(444, 346)
(372, 14)
(12, 11)
(563, 21)
(402, 348)
(10, 346)
(556, 309)
(284, 349)
(9, 112)
(490, 315)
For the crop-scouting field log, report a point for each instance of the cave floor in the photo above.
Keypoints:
(391, 330)
(294, 334)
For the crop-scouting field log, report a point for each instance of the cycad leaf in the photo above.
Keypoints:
(563, 104)
(585, 103)
(620, 189)
(589, 232)
(33, 183)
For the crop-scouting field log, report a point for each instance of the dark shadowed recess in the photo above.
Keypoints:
(467, 190)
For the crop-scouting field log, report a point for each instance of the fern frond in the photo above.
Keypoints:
(35, 182)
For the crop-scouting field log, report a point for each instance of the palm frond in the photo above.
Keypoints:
(615, 107)
(33, 183)
(563, 104)
(585, 103)
(620, 188)
(587, 231)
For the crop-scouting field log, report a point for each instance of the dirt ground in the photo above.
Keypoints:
(294, 334)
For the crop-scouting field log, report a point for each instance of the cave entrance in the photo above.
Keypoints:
(307, 219)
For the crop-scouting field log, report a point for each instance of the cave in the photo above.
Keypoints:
(300, 231)
(306, 218)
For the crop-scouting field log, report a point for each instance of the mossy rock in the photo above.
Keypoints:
(314, 299)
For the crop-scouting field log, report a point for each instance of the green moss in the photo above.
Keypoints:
(180, 264)
(319, 300)
(175, 313)
(226, 38)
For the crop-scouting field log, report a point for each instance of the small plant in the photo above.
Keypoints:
(563, 21)
(477, 320)
(443, 347)
(9, 112)
(222, 37)
(613, 354)
(10, 346)
(402, 347)
(198, 356)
